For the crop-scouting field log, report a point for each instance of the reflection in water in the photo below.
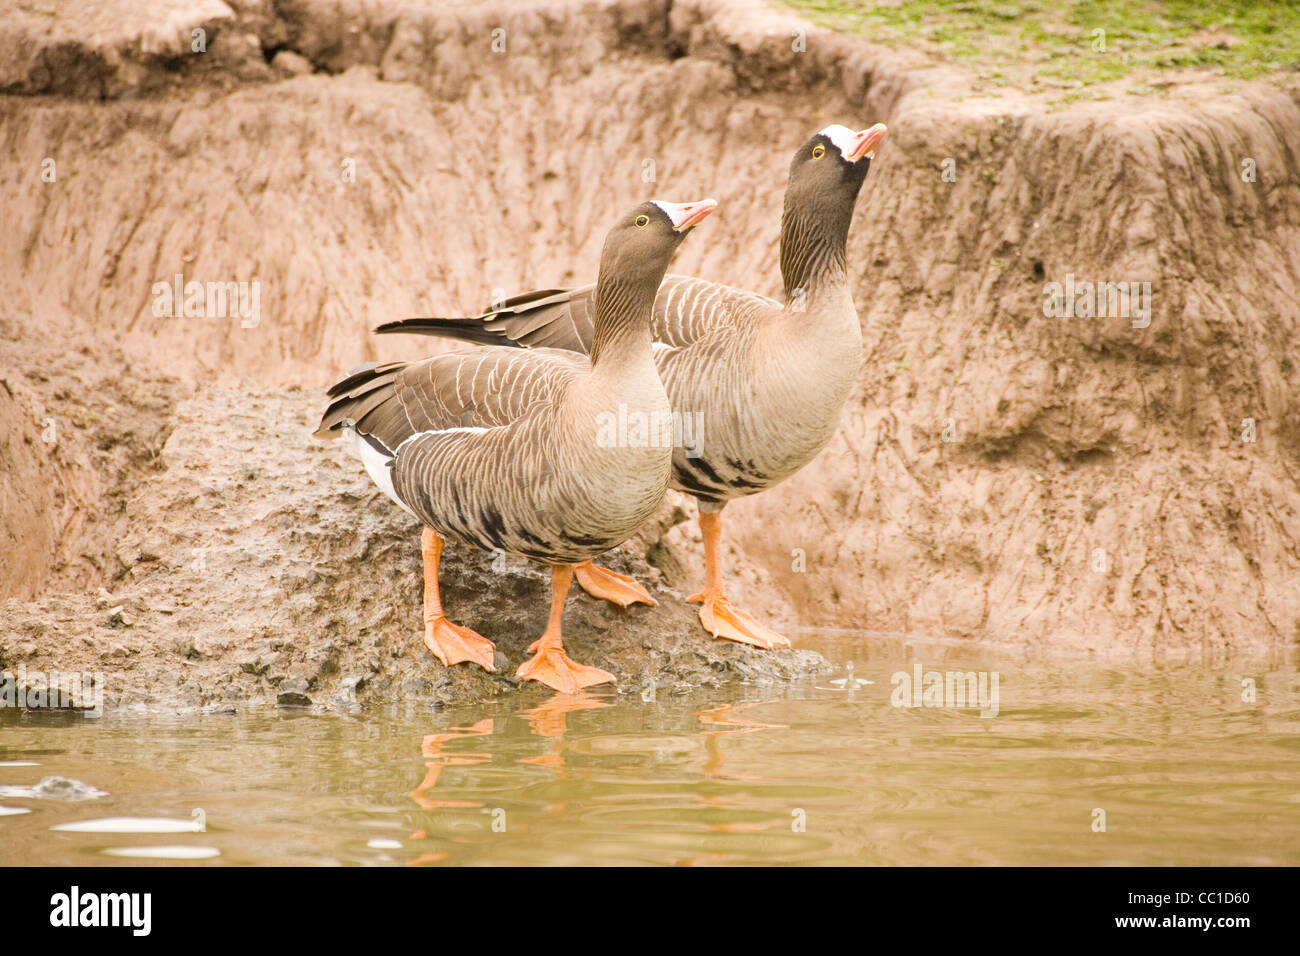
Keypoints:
(164, 852)
(436, 761)
(1187, 771)
(728, 716)
(131, 825)
(550, 720)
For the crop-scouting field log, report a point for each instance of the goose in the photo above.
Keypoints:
(764, 381)
(500, 448)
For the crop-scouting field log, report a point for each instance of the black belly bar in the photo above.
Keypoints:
(519, 541)
(697, 477)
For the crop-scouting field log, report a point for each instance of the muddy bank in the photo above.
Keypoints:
(260, 566)
(1004, 475)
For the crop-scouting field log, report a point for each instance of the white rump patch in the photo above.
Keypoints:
(378, 465)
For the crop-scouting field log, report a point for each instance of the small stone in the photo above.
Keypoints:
(294, 685)
(292, 699)
(258, 665)
(294, 64)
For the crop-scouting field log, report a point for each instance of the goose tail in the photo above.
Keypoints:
(364, 389)
(360, 412)
(465, 330)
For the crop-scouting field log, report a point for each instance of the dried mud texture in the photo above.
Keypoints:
(82, 427)
(1001, 476)
(118, 48)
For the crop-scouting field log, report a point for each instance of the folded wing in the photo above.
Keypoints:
(686, 310)
(485, 388)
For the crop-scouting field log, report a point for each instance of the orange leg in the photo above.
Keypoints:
(551, 665)
(610, 585)
(450, 642)
(716, 613)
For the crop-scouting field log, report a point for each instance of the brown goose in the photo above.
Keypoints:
(764, 382)
(502, 448)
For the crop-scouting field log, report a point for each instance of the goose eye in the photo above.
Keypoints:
(642, 220)
(819, 151)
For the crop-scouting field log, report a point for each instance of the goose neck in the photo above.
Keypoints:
(813, 259)
(622, 323)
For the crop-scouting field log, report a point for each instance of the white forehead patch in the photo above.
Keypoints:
(843, 138)
(675, 211)
(681, 212)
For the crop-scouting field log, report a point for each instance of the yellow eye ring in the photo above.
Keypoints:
(643, 220)
(819, 151)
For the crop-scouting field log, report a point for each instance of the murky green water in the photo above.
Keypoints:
(1185, 770)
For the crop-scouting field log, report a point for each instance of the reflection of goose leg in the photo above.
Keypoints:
(551, 665)
(717, 614)
(450, 642)
(610, 585)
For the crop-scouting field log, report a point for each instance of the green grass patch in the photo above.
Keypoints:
(1083, 41)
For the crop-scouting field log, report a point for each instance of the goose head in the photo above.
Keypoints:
(826, 175)
(829, 169)
(633, 262)
(640, 245)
